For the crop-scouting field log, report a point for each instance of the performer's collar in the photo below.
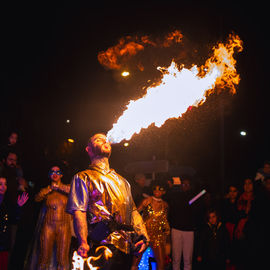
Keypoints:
(99, 169)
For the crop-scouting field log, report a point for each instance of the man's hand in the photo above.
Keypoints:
(83, 250)
(142, 244)
(80, 228)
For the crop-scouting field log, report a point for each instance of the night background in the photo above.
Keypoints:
(50, 74)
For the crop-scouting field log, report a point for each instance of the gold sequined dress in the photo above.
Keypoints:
(157, 225)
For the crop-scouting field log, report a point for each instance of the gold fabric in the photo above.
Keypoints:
(103, 194)
(157, 225)
(56, 228)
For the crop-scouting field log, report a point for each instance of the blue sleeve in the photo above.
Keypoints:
(78, 195)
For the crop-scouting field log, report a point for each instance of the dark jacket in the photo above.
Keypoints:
(9, 214)
(229, 212)
(181, 214)
(213, 243)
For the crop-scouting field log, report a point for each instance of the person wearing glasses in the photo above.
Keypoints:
(56, 229)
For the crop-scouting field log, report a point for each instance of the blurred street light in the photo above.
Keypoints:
(71, 140)
(126, 144)
(125, 74)
(243, 133)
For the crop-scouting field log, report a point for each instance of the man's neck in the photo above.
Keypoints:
(101, 162)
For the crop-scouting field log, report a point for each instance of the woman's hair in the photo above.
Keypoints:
(157, 183)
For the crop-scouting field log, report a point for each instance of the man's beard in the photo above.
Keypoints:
(98, 151)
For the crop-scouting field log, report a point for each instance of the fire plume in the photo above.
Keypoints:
(78, 262)
(179, 89)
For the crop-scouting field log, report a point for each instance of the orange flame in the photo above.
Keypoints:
(78, 262)
(175, 36)
(129, 46)
(178, 90)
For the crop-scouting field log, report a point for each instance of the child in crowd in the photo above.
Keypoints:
(213, 244)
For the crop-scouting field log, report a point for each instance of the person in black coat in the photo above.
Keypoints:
(257, 229)
(9, 214)
(213, 243)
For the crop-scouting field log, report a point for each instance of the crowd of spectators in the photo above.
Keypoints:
(231, 232)
(219, 232)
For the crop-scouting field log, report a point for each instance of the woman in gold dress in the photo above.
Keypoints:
(56, 228)
(155, 210)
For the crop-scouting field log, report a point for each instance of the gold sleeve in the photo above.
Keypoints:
(138, 223)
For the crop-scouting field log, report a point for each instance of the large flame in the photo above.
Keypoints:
(78, 262)
(178, 90)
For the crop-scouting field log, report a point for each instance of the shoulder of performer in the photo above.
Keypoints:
(122, 178)
(83, 175)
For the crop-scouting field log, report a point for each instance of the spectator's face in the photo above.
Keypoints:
(158, 192)
(11, 160)
(141, 181)
(170, 183)
(55, 174)
(3, 186)
(99, 146)
(13, 138)
(185, 185)
(233, 192)
(212, 218)
(248, 185)
(266, 168)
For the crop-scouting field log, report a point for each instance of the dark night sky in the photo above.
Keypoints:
(50, 73)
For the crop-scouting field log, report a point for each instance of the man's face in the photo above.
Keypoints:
(55, 174)
(3, 185)
(11, 160)
(13, 138)
(99, 146)
(233, 192)
(266, 168)
(185, 185)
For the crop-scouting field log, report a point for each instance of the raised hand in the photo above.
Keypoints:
(54, 186)
(22, 199)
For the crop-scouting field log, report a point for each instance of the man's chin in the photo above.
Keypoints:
(106, 154)
(102, 152)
